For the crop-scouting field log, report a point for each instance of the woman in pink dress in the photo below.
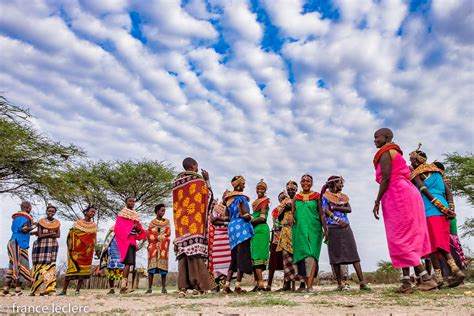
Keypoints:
(403, 212)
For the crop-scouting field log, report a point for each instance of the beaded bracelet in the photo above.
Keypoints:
(423, 188)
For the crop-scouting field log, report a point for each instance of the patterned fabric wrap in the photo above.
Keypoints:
(158, 233)
(191, 200)
(109, 255)
(45, 250)
(80, 252)
(239, 229)
(276, 228)
(289, 267)
(333, 199)
(219, 247)
(18, 263)
(115, 274)
(286, 240)
(44, 278)
(458, 252)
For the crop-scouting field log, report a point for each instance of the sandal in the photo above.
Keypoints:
(239, 290)
(227, 290)
(406, 288)
(427, 285)
(457, 279)
(182, 294)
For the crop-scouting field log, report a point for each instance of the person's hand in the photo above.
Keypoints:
(137, 229)
(376, 211)
(450, 214)
(205, 174)
(291, 220)
(325, 235)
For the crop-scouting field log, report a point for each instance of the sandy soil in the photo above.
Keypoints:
(381, 300)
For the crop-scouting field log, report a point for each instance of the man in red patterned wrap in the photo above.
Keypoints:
(191, 203)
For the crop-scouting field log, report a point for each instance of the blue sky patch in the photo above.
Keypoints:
(136, 31)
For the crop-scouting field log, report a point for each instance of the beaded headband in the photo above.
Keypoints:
(335, 179)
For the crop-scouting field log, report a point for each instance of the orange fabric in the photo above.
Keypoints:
(259, 204)
(190, 207)
(384, 149)
(159, 233)
(81, 247)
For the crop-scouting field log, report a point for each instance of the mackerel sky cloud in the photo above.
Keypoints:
(266, 89)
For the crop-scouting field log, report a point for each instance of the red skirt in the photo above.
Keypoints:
(438, 229)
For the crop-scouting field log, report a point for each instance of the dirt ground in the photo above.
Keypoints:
(381, 300)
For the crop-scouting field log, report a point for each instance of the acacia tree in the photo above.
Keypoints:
(460, 171)
(106, 184)
(27, 158)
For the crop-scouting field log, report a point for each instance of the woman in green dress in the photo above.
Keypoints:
(260, 243)
(308, 231)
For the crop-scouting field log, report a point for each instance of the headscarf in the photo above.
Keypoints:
(262, 183)
(418, 155)
(239, 180)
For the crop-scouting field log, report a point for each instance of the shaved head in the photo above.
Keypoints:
(387, 132)
(25, 205)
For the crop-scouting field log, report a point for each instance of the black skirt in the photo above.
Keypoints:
(241, 259)
(276, 258)
(130, 256)
(342, 247)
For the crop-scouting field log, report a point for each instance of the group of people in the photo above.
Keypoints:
(219, 240)
(117, 256)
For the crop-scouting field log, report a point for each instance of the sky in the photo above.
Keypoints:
(266, 89)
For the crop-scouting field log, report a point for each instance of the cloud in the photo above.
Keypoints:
(171, 26)
(268, 91)
(292, 23)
